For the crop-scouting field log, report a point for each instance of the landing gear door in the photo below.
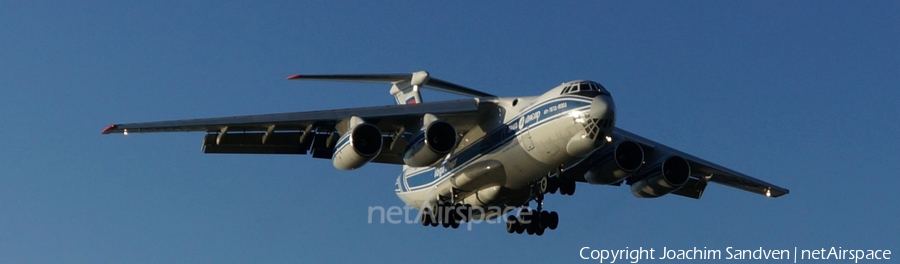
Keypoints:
(525, 141)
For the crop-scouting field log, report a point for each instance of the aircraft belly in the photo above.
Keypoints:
(416, 199)
(528, 165)
(522, 168)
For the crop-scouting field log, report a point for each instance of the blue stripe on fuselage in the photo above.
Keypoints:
(419, 178)
(529, 119)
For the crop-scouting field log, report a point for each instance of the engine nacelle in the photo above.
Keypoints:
(431, 144)
(359, 145)
(662, 178)
(617, 164)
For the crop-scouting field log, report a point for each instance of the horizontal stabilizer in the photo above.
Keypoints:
(416, 78)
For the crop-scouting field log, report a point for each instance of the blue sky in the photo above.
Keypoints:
(799, 93)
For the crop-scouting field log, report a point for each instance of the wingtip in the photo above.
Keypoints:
(295, 76)
(786, 192)
(775, 193)
(109, 128)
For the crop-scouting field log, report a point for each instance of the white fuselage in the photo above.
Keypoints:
(497, 161)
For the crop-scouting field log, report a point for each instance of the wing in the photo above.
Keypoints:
(705, 170)
(302, 132)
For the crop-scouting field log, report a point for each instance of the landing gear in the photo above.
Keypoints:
(447, 215)
(427, 217)
(566, 186)
(552, 184)
(444, 215)
(450, 214)
(543, 185)
(510, 224)
(520, 228)
(533, 222)
(553, 220)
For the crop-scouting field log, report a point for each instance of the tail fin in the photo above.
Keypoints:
(407, 91)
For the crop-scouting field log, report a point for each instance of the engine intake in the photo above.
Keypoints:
(662, 178)
(431, 144)
(359, 146)
(617, 164)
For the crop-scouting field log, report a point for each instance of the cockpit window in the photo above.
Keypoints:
(584, 88)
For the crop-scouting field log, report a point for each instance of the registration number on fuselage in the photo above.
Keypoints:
(555, 108)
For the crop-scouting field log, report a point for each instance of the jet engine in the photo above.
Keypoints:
(663, 177)
(617, 164)
(359, 145)
(431, 144)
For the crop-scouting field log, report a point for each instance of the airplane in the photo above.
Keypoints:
(477, 158)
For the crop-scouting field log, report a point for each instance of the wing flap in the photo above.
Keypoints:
(309, 132)
(253, 143)
(705, 170)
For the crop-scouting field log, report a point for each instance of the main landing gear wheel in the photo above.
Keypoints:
(533, 222)
(431, 216)
(510, 224)
(528, 221)
(427, 217)
(455, 217)
(545, 217)
(539, 231)
(553, 220)
(444, 215)
(566, 186)
(520, 228)
(465, 212)
(552, 184)
(447, 215)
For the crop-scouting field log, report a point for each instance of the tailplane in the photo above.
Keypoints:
(405, 87)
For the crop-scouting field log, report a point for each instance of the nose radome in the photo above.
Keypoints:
(603, 107)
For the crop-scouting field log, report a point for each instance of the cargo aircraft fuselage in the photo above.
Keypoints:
(476, 158)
